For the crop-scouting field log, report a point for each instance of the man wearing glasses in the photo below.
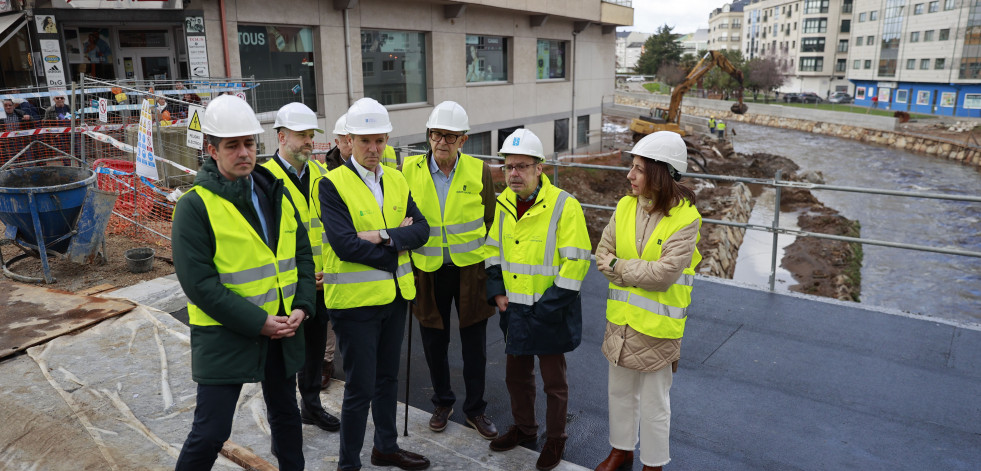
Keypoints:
(455, 192)
(59, 110)
(538, 255)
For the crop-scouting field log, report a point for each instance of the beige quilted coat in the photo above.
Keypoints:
(623, 345)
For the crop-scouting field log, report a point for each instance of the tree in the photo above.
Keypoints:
(672, 73)
(719, 80)
(764, 75)
(660, 48)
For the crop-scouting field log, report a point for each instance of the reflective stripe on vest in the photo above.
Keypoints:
(659, 314)
(462, 219)
(309, 208)
(245, 264)
(389, 158)
(349, 284)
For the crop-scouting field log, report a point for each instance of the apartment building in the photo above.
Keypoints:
(691, 43)
(630, 45)
(919, 56)
(726, 26)
(809, 38)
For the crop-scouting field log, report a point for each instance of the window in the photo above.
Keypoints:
(918, 9)
(551, 59)
(367, 68)
(402, 55)
(924, 64)
(582, 130)
(811, 64)
(910, 64)
(972, 101)
(846, 26)
(873, 15)
(503, 133)
(928, 35)
(902, 96)
(478, 144)
(856, 64)
(273, 52)
(842, 45)
(561, 140)
(860, 93)
(934, 6)
(487, 59)
(815, 6)
(939, 64)
(841, 65)
(812, 45)
(815, 25)
(949, 5)
(869, 40)
(858, 41)
(868, 64)
(944, 34)
(861, 17)
(914, 37)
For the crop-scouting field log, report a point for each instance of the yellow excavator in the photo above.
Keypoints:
(669, 119)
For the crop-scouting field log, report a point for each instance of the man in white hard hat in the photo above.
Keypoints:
(456, 194)
(244, 262)
(295, 127)
(342, 147)
(371, 223)
(539, 254)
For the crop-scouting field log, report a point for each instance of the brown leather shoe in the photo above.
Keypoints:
(440, 418)
(652, 468)
(551, 454)
(483, 426)
(403, 459)
(618, 459)
(327, 372)
(512, 438)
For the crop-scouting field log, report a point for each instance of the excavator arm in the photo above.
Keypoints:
(711, 59)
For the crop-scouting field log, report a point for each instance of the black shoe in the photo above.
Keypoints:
(321, 419)
(402, 458)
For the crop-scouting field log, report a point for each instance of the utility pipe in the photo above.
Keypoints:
(224, 38)
(347, 59)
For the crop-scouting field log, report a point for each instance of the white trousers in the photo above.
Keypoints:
(641, 401)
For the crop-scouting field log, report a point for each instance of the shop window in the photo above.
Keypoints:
(402, 55)
(279, 52)
(487, 59)
(143, 38)
(16, 70)
(582, 130)
(551, 59)
(95, 55)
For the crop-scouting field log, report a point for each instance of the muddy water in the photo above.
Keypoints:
(946, 286)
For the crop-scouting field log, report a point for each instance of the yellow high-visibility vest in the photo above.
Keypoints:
(462, 219)
(309, 208)
(389, 158)
(350, 284)
(659, 314)
(245, 264)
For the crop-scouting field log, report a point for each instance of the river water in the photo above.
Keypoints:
(946, 286)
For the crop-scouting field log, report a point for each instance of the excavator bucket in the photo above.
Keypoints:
(739, 108)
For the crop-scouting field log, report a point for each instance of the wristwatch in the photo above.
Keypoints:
(384, 235)
(613, 262)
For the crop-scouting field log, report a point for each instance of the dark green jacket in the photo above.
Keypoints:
(234, 352)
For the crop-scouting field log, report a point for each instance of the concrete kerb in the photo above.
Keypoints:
(457, 447)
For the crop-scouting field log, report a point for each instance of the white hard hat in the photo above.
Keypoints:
(367, 116)
(296, 117)
(664, 146)
(523, 142)
(230, 116)
(340, 125)
(449, 115)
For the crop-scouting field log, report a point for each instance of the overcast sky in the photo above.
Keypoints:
(685, 15)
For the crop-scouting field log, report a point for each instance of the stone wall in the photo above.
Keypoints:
(876, 130)
(720, 244)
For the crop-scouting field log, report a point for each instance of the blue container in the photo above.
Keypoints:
(54, 194)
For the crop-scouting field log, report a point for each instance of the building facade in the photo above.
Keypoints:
(726, 26)
(918, 56)
(809, 38)
(543, 65)
(630, 45)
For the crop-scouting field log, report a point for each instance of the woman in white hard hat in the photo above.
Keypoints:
(649, 255)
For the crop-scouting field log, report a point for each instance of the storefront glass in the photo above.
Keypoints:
(279, 52)
(487, 59)
(393, 65)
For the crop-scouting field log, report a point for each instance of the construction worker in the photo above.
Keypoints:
(295, 127)
(245, 264)
(720, 128)
(371, 223)
(455, 192)
(712, 125)
(539, 255)
(389, 158)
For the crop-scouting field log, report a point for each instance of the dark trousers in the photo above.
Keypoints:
(473, 343)
(216, 406)
(370, 342)
(315, 338)
(519, 376)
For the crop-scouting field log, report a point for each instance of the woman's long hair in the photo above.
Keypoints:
(663, 191)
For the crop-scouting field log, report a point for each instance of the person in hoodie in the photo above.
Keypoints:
(245, 263)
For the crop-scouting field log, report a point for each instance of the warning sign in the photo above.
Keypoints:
(146, 165)
(195, 137)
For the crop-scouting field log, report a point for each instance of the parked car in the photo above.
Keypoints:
(806, 97)
(791, 97)
(635, 78)
(840, 97)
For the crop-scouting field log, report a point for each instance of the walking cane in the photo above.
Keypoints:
(408, 363)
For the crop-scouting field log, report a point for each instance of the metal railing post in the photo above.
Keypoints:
(776, 227)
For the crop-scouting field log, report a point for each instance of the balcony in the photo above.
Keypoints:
(617, 12)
